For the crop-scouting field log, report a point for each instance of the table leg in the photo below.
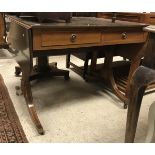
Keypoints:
(93, 61)
(107, 74)
(26, 89)
(24, 57)
(68, 60)
(85, 71)
(42, 69)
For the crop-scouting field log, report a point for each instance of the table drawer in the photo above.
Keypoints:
(123, 37)
(49, 39)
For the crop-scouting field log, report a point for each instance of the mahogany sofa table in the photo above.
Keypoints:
(29, 38)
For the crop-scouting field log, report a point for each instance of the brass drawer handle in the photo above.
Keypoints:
(73, 38)
(124, 35)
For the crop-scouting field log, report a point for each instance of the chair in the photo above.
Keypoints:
(85, 56)
(142, 78)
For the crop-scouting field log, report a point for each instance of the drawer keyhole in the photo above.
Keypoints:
(124, 35)
(73, 38)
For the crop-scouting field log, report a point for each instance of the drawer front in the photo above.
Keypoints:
(47, 40)
(123, 37)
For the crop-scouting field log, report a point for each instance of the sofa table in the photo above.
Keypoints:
(29, 38)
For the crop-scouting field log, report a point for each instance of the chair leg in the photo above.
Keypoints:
(133, 113)
(85, 67)
(68, 60)
(140, 80)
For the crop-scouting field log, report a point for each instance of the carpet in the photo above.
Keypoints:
(11, 130)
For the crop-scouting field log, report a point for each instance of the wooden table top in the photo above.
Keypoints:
(76, 22)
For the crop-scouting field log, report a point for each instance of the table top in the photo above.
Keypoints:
(76, 22)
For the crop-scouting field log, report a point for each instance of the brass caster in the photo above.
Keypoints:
(17, 71)
(18, 91)
(40, 129)
(125, 106)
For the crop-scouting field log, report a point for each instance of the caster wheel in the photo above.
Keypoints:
(35, 68)
(17, 71)
(18, 91)
(17, 87)
(125, 106)
(41, 131)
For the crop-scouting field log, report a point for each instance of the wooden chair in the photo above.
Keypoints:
(142, 78)
(85, 57)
